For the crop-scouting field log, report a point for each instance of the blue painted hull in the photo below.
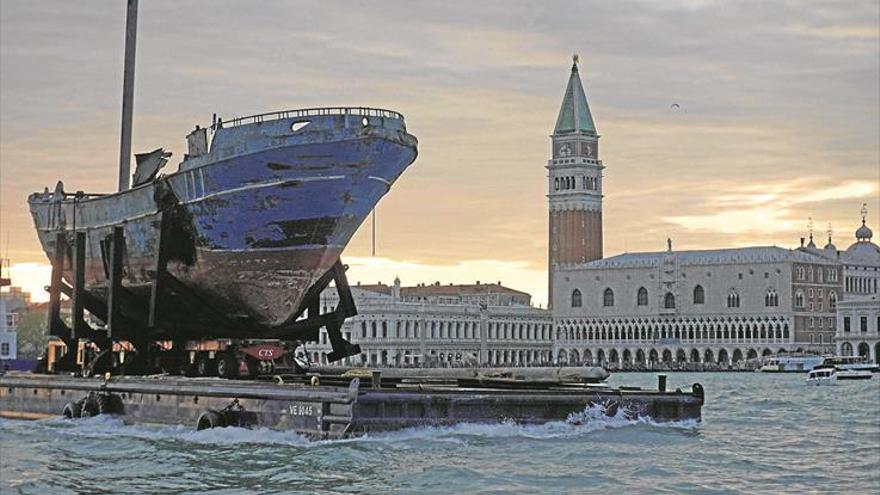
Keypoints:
(257, 220)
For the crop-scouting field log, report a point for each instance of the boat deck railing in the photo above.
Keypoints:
(313, 112)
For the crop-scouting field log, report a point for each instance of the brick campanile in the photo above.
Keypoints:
(574, 183)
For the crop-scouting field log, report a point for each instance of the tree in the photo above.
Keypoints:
(32, 333)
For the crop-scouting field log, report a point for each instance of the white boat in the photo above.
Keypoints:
(822, 376)
(851, 374)
(854, 363)
(798, 364)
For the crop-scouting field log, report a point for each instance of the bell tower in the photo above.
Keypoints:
(574, 182)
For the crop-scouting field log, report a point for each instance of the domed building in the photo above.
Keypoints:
(858, 313)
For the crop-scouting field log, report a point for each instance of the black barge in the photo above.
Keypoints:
(335, 406)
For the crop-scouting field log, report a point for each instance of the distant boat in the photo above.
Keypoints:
(850, 374)
(822, 376)
(853, 363)
(790, 364)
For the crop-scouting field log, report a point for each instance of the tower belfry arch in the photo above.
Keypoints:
(574, 182)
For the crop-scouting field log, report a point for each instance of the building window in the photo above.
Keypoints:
(733, 299)
(576, 299)
(699, 295)
(669, 301)
(608, 298)
(832, 300)
(811, 292)
(799, 299)
(846, 324)
(812, 324)
(4, 349)
(863, 324)
(771, 298)
(642, 297)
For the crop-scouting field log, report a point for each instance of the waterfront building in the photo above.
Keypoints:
(719, 306)
(8, 334)
(716, 307)
(858, 314)
(861, 260)
(858, 327)
(441, 325)
(13, 302)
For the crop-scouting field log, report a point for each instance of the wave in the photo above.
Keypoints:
(104, 426)
(592, 419)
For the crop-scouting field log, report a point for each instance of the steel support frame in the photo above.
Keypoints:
(308, 328)
(120, 327)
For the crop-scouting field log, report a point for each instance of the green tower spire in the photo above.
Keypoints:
(575, 112)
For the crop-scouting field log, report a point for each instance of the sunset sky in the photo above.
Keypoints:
(779, 116)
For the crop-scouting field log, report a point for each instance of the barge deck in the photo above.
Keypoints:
(333, 406)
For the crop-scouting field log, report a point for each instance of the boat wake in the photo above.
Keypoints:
(592, 419)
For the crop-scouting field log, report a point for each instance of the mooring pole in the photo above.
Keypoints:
(127, 96)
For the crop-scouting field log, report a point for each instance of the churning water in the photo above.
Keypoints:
(760, 434)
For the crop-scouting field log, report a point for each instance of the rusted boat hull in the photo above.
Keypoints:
(328, 411)
(253, 224)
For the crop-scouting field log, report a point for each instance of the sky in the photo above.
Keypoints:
(779, 117)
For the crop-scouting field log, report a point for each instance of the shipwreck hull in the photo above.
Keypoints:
(254, 223)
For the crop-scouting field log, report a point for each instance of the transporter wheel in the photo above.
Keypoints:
(210, 419)
(253, 366)
(72, 409)
(205, 366)
(227, 365)
(90, 407)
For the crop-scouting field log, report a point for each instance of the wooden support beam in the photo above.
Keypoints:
(114, 281)
(79, 284)
(315, 307)
(346, 308)
(160, 269)
(55, 287)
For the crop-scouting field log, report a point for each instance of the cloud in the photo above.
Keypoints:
(864, 32)
(32, 278)
(779, 120)
(772, 207)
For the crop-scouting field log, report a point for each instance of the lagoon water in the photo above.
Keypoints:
(760, 434)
